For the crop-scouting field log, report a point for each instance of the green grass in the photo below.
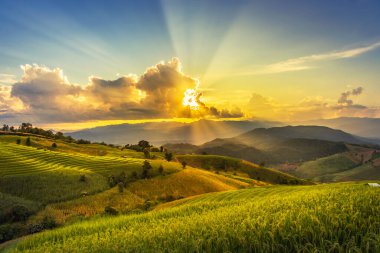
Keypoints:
(363, 172)
(320, 218)
(225, 163)
(324, 166)
(49, 176)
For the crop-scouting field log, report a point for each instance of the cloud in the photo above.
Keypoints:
(310, 108)
(47, 96)
(305, 62)
(6, 79)
(344, 98)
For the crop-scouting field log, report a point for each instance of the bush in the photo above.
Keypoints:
(82, 178)
(28, 142)
(18, 213)
(18, 141)
(120, 186)
(161, 169)
(109, 210)
(169, 156)
(134, 175)
(54, 145)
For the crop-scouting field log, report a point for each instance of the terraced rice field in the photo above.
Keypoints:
(321, 218)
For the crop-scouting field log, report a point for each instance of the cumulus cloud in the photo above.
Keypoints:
(46, 95)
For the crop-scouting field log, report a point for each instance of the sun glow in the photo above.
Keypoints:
(191, 99)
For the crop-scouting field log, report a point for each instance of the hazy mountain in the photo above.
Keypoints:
(280, 144)
(366, 127)
(169, 132)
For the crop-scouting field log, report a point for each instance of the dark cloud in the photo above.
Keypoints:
(345, 96)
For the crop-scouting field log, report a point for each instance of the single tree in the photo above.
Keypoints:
(161, 169)
(161, 149)
(54, 145)
(168, 156)
(144, 144)
(183, 164)
(146, 153)
(28, 142)
(18, 141)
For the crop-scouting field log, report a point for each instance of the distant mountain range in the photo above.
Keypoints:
(278, 144)
(160, 133)
(366, 127)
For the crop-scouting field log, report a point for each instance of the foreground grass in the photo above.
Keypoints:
(322, 218)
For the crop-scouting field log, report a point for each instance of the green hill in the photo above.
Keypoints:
(323, 218)
(254, 171)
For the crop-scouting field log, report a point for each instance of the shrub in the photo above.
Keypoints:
(82, 178)
(161, 169)
(18, 213)
(18, 141)
(169, 156)
(109, 210)
(54, 145)
(184, 164)
(146, 153)
(134, 175)
(28, 142)
(120, 186)
(48, 222)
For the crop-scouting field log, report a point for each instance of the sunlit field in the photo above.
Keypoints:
(324, 218)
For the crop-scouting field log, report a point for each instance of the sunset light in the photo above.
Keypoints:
(189, 126)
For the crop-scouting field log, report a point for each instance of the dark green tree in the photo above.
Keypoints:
(28, 142)
(168, 156)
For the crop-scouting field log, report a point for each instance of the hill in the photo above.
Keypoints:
(65, 183)
(266, 219)
(358, 163)
(228, 164)
(277, 145)
(160, 133)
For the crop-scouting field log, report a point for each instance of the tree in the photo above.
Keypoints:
(5, 128)
(161, 149)
(18, 141)
(146, 165)
(146, 153)
(54, 145)
(168, 156)
(143, 144)
(145, 169)
(161, 169)
(28, 142)
(183, 164)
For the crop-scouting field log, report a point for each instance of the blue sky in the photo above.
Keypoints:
(216, 41)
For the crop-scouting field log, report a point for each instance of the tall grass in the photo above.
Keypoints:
(323, 218)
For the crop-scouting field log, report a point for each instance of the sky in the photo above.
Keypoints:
(66, 63)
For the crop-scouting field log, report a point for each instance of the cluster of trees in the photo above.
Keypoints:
(145, 147)
(28, 128)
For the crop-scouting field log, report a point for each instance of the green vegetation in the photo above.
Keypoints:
(223, 163)
(322, 218)
(327, 165)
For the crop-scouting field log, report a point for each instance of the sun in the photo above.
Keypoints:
(191, 99)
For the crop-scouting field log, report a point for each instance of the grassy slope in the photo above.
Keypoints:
(215, 162)
(319, 218)
(185, 183)
(327, 165)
